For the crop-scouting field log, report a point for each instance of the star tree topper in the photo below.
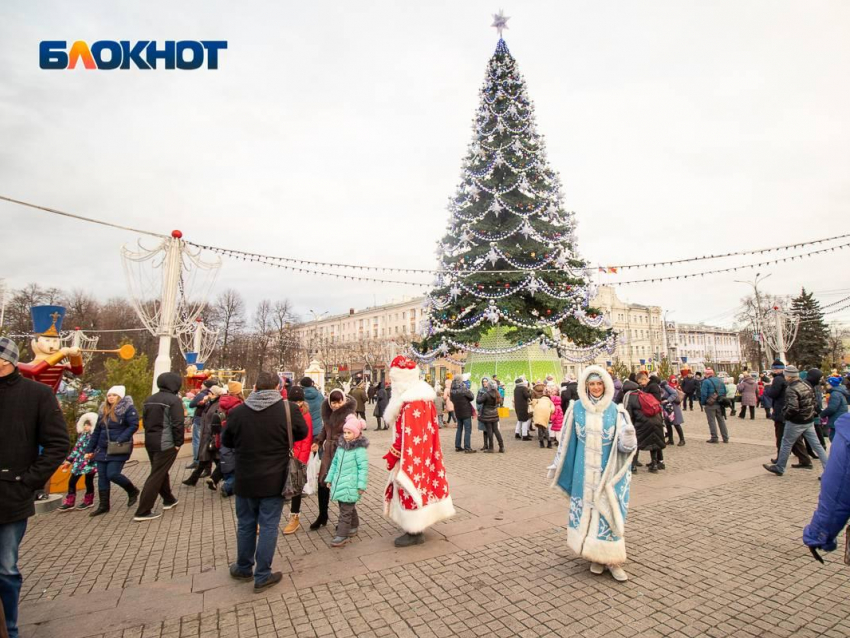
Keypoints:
(500, 21)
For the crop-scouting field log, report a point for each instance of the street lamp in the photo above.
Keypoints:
(316, 318)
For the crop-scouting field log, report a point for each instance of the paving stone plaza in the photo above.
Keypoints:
(714, 548)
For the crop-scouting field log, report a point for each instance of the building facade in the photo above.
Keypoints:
(698, 345)
(640, 330)
(364, 341)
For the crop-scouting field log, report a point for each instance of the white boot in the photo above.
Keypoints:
(618, 573)
(597, 568)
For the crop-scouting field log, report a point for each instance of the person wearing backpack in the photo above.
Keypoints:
(712, 393)
(645, 413)
(800, 412)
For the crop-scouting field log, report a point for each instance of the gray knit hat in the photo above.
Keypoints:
(9, 351)
(791, 371)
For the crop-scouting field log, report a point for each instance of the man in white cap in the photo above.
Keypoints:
(29, 418)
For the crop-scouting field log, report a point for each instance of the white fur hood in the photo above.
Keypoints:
(418, 391)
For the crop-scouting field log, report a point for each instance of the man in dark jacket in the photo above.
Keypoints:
(200, 404)
(314, 401)
(800, 412)
(689, 387)
(162, 416)
(462, 398)
(29, 418)
(776, 393)
(257, 431)
(522, 395)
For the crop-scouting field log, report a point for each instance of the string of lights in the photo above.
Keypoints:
(731, 269)
(238, 253)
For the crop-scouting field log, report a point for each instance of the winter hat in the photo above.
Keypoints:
(296, 393)
(234, 387)
(209, 383)
(120, 390)
(354, 424)
(336, 392)
(216, 390)
(791, 371)
(89, 418)
(777, 365)
(834, 381)
(814, 376)
(466, 376)
(306, 382)
(9, 351)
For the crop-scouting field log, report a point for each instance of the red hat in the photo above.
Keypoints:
(403, 363)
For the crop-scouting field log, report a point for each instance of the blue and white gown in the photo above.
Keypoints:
(593, 468)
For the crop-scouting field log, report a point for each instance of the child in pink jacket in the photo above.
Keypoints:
(557, 421)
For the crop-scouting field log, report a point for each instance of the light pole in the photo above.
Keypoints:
(755, 284)
(666, 339)
(317, 316)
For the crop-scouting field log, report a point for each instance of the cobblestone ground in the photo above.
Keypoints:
(714, 546)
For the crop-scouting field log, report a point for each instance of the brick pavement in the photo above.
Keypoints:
(713, 542)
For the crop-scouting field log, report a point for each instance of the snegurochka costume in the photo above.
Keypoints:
(593, 469)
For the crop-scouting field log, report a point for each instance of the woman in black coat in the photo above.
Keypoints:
(207, 451)
(490, 400)
(382, 398)
(335, 409)
(649, 429)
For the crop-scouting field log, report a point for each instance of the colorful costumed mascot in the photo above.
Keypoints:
(417, 494)
(47, 366)
(593, 468)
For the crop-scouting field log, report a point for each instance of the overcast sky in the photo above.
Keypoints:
(334, 131)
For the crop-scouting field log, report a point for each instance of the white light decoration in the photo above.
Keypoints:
(510, 247)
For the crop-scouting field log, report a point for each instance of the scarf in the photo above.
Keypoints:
(262, 399)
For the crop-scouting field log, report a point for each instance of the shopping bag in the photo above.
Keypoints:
(312, 484)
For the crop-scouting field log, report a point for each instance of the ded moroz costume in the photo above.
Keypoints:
(417, 494)
(593, 469)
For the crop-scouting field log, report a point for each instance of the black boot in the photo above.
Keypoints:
(324, 497)
(407, 540)
(541, 443)
(549, 443)
(132, 495)
(102, 503)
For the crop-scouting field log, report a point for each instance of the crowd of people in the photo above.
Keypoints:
(247, 447)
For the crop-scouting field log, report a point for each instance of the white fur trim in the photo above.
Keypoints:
(418, 520)
(597, 551)
(404, 482)
(597, 408)
(88, 417)
(418, 391)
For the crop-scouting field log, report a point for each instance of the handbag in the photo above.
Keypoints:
(114, 448)
(296, 476)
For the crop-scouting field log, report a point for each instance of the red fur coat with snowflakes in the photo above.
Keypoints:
(417, 494)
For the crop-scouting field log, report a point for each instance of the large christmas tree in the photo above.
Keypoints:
(812, 343)
(509, 276)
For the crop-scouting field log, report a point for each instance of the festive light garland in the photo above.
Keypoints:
(732, 269)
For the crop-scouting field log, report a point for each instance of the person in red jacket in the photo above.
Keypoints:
(301, 451)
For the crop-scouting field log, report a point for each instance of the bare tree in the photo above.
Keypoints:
(838, 334)
(228, 315)
(83, 309)
(263, 323)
